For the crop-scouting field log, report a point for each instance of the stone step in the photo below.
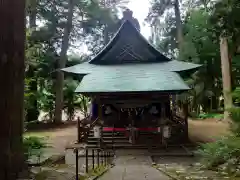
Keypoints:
(108, 142)
(109, 138)
(126, 146)
(109, 134)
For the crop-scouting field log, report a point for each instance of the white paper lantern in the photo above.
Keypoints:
(166, 132)
(97, 131)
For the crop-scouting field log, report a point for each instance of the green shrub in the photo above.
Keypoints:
(210, 115)
(217, 153)
(235, 117)
(224, 154)
(33, 146)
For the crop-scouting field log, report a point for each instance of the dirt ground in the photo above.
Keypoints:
(57, 139)
(199, 131)
(207, 130)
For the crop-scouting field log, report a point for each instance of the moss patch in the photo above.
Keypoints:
(96, 172)
(44, 134)
(194, 172)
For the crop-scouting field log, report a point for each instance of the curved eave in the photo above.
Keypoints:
(171, 66)
(140, 93)
(132, 82)
(128, 25)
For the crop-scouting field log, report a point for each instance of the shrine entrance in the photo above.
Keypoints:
(138, 117)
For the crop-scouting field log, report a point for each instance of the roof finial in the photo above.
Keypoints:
(128, 15)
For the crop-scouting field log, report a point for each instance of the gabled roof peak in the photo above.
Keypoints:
(128, 46)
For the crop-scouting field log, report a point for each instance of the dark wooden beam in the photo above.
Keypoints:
(148, 93)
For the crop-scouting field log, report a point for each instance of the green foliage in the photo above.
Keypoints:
(235, 117)
(224, 153)
(47, 99)
(71, 99)
(34, 146)
(90, 22)
(210, 115)
(84, 105)
(97, 171)
(225, 18)
(202, 24)
(217, 153)
(236, 95)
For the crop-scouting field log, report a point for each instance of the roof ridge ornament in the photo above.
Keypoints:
(128, 16)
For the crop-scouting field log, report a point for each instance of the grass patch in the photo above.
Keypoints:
(210, 115)
(194, 172)
(98, 171)
(38, 134)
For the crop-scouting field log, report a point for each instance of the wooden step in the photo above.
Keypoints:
(108, 142)
(109, 134)
(108, 138)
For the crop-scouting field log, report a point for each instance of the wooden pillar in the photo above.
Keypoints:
(93, 162)
(86, 160)
(185, 112)
(163, 123)
(78, 130)
(168, 108)
(76, 156)
(174, 104)
(132, 130)
(100, 119)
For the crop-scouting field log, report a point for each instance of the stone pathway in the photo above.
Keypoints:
(133, 166)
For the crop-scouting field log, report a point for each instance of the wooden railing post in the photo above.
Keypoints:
(105, 158)
(98, 157)
(86, 154)
(113, 137)
(102, 160)
(93, 159)
(76, 153)
(186, 114)
(78, 129)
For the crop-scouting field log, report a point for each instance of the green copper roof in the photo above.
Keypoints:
(172, 66)
(128, 63)
(137, 81)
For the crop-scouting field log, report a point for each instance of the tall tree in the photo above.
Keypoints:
(225, 18)
(12, 38)
(226, 76)
(179, 36)
(157, 10)
(62, 63)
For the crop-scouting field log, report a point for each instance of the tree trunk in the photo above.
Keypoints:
(179, 35)
(12, 38)
(178, 25)
(226, 76)
(32, 13)
(106, 35)
(62, 64)
(32, 112)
